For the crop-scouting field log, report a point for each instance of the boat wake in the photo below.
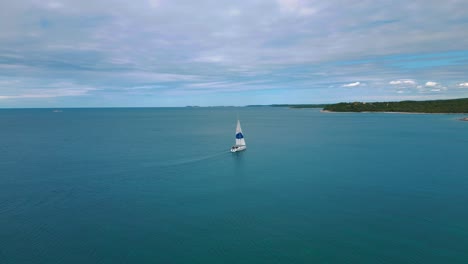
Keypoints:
(186, 161)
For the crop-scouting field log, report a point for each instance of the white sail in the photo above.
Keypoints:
(240, 141)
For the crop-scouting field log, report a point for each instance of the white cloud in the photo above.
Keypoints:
(307, 11)
(430, 86)
(354, 84)
(54, 5)
(403, 81)
(465, 84)
(225, 84)
(49, 93)
(296, 6)
(144, 87)
(234, 12)
(211, 84)
(154, 3)
(289, 5)
(159, 77)
(211, 59)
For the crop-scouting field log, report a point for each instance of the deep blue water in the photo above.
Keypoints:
(160, 186)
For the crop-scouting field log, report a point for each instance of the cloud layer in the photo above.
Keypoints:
(227, 53)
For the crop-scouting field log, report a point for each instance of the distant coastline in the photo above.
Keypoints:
(397, 113)
(300, 105)
(451, 106)
(291, 105)
(434, 106)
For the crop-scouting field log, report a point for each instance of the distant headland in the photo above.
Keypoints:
(432, 106)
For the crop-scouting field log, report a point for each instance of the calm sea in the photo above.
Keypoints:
(160, 186)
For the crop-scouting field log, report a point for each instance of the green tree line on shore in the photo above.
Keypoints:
(433, 106)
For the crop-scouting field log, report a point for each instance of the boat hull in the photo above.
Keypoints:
(237, 148)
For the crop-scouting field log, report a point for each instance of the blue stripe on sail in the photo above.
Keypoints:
(239, 135)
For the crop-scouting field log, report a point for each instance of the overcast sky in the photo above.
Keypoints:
(208, 52)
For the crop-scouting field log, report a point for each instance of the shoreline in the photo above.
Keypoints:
(404, 113)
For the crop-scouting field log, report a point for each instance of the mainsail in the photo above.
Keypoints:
(240, 141)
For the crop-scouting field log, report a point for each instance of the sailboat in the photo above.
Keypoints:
(240, 141)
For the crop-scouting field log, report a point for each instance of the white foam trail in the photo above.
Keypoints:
(187, 160)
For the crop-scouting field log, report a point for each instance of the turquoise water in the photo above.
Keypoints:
(160, 186)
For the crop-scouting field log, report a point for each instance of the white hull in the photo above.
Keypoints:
(237, 148)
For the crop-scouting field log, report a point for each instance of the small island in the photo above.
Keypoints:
(433, 106)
